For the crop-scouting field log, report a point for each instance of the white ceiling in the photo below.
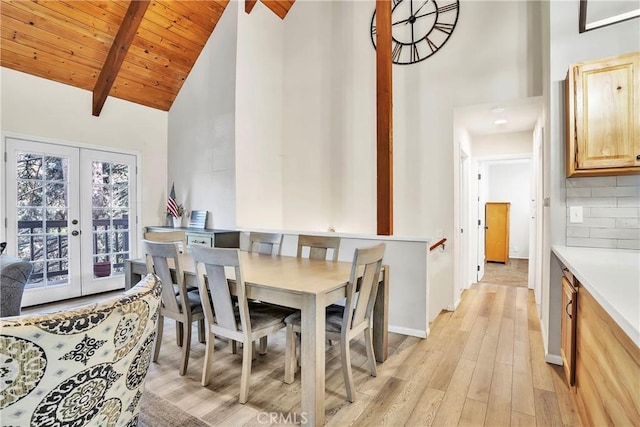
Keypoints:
(521, 115)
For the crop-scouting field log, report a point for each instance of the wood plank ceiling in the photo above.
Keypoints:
(68, 41)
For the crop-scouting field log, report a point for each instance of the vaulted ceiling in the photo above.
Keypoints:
(78, 42)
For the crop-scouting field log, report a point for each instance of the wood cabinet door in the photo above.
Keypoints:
(497, 232)
(568, 330)
(607, 94)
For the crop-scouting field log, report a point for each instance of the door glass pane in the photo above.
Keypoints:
(41, 207)
(110, 207)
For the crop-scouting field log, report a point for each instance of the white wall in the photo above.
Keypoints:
(259, 119)
(502, 144)
(308, 167)
(202, 129)
(509, 182)
(42, 108)
(424, 96)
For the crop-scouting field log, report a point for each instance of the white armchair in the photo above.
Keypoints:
(86, 366)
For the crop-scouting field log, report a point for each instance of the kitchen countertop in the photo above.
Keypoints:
(612, 277)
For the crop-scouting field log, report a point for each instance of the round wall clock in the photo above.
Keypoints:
(419, 28)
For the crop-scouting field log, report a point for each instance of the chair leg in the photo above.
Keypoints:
(208, 359)
(290, 359)
(368, 338)
(263, 345)
(179, 333)
(254, 350)
(247, 355)
(159, 328)
(346, 369)
(234, 347)
(202, 332)
(186, 345)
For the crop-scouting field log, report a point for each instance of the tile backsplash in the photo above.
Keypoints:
(611, 212)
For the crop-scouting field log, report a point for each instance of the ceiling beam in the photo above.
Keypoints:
(248, 5)
(117, 53)
(384, 119)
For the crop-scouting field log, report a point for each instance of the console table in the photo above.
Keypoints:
(204, 236)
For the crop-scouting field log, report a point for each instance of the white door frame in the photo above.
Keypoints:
(470, 269)
(498, 159)
(135, 200)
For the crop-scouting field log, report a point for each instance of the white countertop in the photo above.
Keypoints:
(612, 276)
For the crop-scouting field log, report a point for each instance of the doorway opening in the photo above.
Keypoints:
(503, 154)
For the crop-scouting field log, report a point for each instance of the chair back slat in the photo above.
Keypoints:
(214, 261)
(168, 236)
(368, 262)
(265, 243)
(157, 255)
(319, 246)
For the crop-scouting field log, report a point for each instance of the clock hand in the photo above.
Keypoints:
(426, 14)
(413, 15)
(401, 22)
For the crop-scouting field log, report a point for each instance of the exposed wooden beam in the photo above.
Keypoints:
(248, 5)
(117, 53)
(384, 118)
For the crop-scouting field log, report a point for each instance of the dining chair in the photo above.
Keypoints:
(239, 320)
(346, 323)
(319, 246)
(168, 236)
(177, 304)
(265, 243)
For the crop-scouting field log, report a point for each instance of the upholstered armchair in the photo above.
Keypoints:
(14, 275)
(81, 367)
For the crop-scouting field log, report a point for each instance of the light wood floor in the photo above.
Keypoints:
(481, 365)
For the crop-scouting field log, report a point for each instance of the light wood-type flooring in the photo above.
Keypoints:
(481, 365)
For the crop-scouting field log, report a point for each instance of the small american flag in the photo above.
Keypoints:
(172, 206)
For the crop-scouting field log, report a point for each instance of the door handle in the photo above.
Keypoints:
(75, 232)
(486, 227)
(566, 309)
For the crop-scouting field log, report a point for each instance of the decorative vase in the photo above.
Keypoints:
(177, 221)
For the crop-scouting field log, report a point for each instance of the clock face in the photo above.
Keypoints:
(419, 28)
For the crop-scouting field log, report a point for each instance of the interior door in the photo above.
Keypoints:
(497, 232)
(108, 198)
(43, 213)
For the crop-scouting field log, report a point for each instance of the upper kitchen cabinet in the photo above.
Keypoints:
(603, 117)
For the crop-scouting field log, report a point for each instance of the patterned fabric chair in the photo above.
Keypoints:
(14, 275)
(81, 367)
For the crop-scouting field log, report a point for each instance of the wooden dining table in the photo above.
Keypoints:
(305, 284)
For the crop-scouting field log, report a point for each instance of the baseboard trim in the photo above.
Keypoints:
(409, 331)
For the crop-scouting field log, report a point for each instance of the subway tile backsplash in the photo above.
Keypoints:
(611, 212)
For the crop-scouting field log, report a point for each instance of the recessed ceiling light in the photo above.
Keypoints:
(497, 109)
(500, 122)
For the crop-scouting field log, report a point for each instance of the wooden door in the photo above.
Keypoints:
(496, 243)
(568, 330)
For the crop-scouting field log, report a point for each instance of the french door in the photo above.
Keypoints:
(70, 212)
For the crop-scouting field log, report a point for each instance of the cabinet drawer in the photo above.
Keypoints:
(199, 240)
